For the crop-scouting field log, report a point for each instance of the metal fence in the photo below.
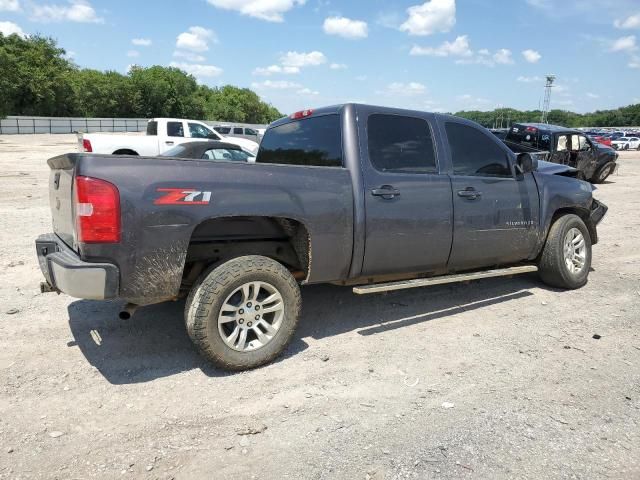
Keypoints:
(17, 125)
(26, 125)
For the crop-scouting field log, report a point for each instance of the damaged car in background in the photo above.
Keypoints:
(592, 160)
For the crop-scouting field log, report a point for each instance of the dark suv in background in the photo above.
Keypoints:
(594, 161)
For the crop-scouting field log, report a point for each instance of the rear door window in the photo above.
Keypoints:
(152, 128)
(314, 141)
(238, 131)
(175, 129)
(222, 130)
(475, 153)
(400, 144)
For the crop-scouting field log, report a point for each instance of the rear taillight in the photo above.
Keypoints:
(301, 114)
(97, 208)
(86, 145)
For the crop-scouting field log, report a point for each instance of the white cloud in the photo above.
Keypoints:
(530, 79)
(275, 85)
(632, 21)
(531, 56)
(503, 56)
(275, 69)
(133, 53)
(295, 59)
(624, 44)
(269, 10)
(458, 48)
(198, 70)
(189, 56)
(9, 6)
(307, 91)
(196, 39)
(338, 66)
(9, 28)
(433, 16)
(79, 11)
(592, 95)
(345, 27)
(141, 42)
(409, 89)
(634, 62)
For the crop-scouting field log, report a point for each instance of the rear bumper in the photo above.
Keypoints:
(65, 272)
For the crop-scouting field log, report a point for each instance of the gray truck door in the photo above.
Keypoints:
(407, 202)
(496, 215)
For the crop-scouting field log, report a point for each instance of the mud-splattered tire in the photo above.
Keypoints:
(566, 258)
(253, 294)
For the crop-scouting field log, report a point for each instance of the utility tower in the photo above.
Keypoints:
(547, 98)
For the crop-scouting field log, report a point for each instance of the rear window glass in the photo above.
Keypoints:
(400, 144)
(177, 151)
(529, 137)
(152, 128)
(222, 130)
(313, 141)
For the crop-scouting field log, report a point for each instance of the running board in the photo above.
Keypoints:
(459, 277)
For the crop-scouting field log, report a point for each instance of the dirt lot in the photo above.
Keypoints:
(361, 393)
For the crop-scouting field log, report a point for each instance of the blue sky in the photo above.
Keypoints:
(438, 55)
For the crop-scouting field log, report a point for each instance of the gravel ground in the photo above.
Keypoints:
(496, 379)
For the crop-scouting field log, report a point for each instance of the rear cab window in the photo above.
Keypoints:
(529, 137)
(312, 141)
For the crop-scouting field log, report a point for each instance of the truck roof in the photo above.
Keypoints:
(338, 108)
(548, 128)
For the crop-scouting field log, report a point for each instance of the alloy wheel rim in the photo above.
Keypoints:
(251, 316)
(575, 250)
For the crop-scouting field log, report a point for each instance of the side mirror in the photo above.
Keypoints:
(525, 163)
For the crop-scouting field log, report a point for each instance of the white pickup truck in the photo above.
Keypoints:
(162, 135)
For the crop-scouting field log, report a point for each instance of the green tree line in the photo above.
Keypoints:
(620, 117)
(36, 78)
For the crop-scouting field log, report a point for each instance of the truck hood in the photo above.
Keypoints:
(550, 168)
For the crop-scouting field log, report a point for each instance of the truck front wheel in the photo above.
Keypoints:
(242, 313)
(566, 258)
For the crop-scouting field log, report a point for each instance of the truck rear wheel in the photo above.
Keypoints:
(566, 257)
(242, 313)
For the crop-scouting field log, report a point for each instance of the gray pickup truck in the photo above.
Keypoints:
(375, 198)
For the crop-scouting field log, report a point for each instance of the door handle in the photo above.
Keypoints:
(385, 191)
(168, 143)
(469, 193)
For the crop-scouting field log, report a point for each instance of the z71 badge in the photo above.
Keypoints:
(182, 196)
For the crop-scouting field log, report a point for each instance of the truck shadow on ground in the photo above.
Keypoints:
(154, 343)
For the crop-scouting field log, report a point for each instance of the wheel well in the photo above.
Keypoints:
(583, 214)
(219, 239)
(125, 151)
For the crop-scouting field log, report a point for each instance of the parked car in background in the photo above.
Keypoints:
(162, 135)
(381, 198)
(211, 150)
(601, 139)
(594, 161)
(239, 132)
(501, 133)
(626, 143)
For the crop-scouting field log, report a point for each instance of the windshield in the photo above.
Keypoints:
(177, 151)
(228, 154)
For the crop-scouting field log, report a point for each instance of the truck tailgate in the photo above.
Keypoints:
(61, 196)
